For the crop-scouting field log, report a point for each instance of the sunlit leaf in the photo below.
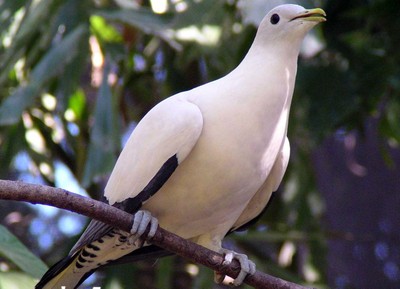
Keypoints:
(16, 252)
(207, 12)
(104, 30)
(36, 13)
(143, 19)
(16, 280)
(8, 10)
(51, 65)
(77, 103)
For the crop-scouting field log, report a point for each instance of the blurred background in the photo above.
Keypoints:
(77, 75)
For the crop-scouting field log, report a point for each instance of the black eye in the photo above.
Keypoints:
(275, 19)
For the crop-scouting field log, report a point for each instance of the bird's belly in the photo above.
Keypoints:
(208, 192)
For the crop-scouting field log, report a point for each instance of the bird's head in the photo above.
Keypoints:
(288, 22)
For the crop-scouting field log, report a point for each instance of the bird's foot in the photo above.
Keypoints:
(247, 267)
(141, 220)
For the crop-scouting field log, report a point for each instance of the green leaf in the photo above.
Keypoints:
(77, 103)
(143, 19)
(16, 252)
(13, 143)
(8, 9)
(104, 30)
(16, 280)
(12, 108)
(165, 272)
(104, 138)
(208, 12)
(72, 75)
(50, 66)
(37, 12)
(55, 60)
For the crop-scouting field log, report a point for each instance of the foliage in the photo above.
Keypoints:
(75, 77)
(15, 251)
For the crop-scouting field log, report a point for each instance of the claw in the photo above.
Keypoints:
(247, 267)
(140, 222)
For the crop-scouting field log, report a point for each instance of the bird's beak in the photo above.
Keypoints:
(317, 15)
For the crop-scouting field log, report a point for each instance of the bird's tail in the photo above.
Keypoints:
(71, 271)
(62, 275)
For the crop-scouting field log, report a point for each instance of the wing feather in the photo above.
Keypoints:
(171, 128)
(162, 140)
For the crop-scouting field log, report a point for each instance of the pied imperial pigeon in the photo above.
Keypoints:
(204, 162)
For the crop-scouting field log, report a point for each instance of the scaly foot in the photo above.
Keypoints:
(141, 220)
(247, 267)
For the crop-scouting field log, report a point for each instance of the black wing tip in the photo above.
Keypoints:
(132, 205)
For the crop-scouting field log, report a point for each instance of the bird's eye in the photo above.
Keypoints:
(275, 18)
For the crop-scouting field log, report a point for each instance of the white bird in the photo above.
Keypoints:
(203, 162)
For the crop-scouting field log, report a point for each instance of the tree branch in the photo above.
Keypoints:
(38, 194)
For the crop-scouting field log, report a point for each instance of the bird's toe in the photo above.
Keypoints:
(247, 267)
(142, 219)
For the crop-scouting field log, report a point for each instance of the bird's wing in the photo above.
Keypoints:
(260, 201)
(159, 143)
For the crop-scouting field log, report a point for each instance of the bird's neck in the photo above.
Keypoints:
(271, 56)
(269, 72)
(269, 78)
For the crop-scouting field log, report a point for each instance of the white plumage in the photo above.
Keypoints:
(222, 145)
(171, 127)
